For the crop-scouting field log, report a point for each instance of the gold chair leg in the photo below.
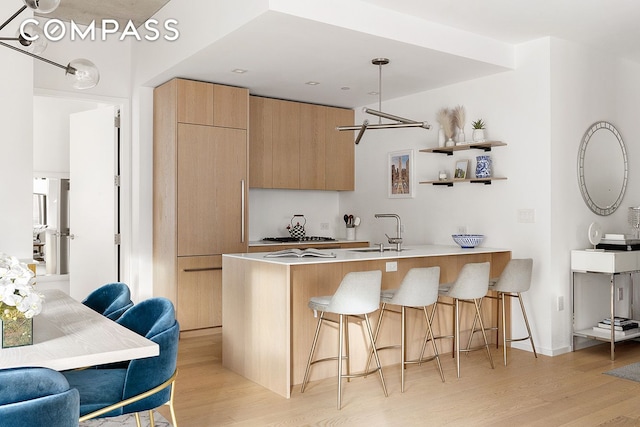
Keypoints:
(152, 422)
(375, 353)
(138, 420)
(340, 344)
(313, 349)
(484, 334)
(433, 342)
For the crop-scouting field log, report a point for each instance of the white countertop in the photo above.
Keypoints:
(348, 255)
(304, 243)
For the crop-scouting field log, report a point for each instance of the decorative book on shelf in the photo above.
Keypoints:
(299, 253)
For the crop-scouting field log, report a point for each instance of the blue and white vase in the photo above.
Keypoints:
(483, 167)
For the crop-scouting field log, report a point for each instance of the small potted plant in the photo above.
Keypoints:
(478, 130)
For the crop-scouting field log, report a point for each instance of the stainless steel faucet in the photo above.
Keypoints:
(394, 240)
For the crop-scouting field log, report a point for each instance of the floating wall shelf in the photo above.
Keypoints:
(484, 146)
(449, 183)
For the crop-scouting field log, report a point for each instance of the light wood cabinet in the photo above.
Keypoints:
(200, 170)
(296, 145)
(285, 148)
(200, 291)
(208, 104)
(211, 178)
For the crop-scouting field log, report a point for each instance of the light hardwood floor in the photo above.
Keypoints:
(566, 390)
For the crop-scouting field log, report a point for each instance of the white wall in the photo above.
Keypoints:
(508, 102)
(270, 211)
(51, 134)
(16, 118)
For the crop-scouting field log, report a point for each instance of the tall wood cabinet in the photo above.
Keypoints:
(200, 171)
(296, 145)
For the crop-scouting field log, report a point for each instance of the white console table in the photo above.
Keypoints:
(610, 263)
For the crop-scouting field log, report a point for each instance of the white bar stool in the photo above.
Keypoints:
(515, 279)
(418, 290)
(356, 297)
(470, 286)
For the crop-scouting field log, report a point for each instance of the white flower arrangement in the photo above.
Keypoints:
(18, 298)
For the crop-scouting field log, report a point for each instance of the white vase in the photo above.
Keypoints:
(460, 137)
(478, 135)
(450, 142)
(441, 138)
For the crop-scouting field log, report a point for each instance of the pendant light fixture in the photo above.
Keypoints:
(400, 122)
(81, 73)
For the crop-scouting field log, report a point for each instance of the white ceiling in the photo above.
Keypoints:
(281, 52)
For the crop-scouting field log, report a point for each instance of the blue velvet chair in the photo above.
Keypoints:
(36, 397)
(110, 300)
(142, 384)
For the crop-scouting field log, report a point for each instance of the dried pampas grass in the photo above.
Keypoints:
(459, 116)
(445, 120)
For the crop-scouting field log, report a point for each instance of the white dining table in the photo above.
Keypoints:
(68, 335)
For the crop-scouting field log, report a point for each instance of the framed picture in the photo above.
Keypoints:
(460, 170)
(400, 174)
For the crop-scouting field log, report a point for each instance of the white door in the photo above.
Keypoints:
(93, 201)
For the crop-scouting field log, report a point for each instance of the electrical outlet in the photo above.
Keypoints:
(560, 303)
(462, 229)
(324, 226)
(527, 216)
(392, 266)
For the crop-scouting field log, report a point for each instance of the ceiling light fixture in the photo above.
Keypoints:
(401, 122)
(312, 83)
(82, 73)
(239, 71)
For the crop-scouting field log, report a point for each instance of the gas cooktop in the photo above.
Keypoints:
(299, 239)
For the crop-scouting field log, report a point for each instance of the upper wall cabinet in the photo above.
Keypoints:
(294, 145)
(209, 104)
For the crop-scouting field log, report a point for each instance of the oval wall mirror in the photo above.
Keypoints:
(602, 168)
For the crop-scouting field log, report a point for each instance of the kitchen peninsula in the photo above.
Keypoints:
(268, 327)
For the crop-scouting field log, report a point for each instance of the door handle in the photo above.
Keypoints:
(242, 213)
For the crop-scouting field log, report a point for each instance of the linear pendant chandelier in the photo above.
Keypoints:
(81, 73)
(401, 122)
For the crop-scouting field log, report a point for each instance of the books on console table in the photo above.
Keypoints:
(299, 253)
(619, 321)
(625, 327)
(606, 332)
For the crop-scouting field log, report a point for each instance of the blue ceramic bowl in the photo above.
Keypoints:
(468, 240)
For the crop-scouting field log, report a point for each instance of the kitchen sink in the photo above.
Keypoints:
(376, 250)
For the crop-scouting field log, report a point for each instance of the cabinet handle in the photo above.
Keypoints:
(193, 270)
(242, 211)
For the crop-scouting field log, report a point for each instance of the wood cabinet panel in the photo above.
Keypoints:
(340, 151)
(195, 102)
(296, 145)
(261, 142)
(313, 123)
(199, 292)
(211, 175)
(286, 145)
(230, 107)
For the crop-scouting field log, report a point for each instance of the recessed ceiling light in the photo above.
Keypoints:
(345, 88)
(239, 71)
(373, 93)
(312, 83)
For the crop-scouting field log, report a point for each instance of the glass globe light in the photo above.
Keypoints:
(32, 30)
(42, 6)
(82, 73)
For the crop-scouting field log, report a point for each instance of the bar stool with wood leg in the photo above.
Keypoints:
(418, 290)
(470, 286)
(515, 279)
(356, 297)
